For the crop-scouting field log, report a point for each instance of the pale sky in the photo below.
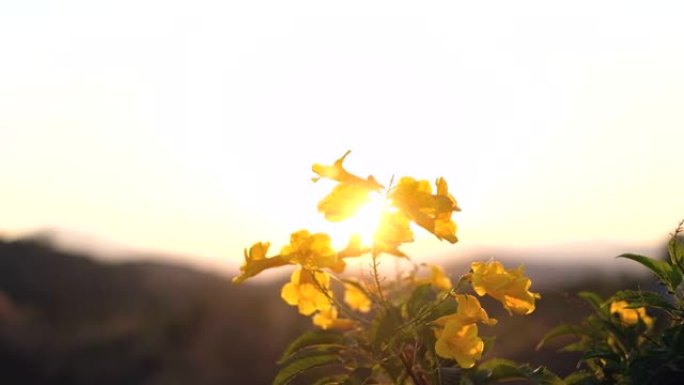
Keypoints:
(190, 128)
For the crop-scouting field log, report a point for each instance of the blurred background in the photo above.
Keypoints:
(144, 144)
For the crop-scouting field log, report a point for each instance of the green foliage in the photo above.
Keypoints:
(620, 341)
(302, 365)
(501, 370)
(670, 275)
(313, 340)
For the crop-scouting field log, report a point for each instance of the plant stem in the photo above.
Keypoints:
(346, 311)
(408, 365)
(376, 275)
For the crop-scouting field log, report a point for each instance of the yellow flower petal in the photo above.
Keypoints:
(356, 298)
(312, 251)
(394, 230)
(344, 201)
(430, 211)
(325, 318)
(256, 261)
(348, 196)
(469, 311)
(303, 292)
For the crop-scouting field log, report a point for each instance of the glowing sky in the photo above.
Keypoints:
(191, 127)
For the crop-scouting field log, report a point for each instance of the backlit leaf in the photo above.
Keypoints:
(676, 250)
(592, 298)
(298, 367)
(661, 269)
(312, 338)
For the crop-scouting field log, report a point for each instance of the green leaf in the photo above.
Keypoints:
(385, 327)
(499, 369)
(579, 346)
(505, 370)
(421, 296)
(450, 376)
(312, 338)
(673, 337)
(297, 367)
(661, 269)
(488, 343)
(359, 376)
(592, 298)
(563, 330)
(608, 355)
(313, 350)
(581, 378)
(542, 376)
(676, 249)
(444, 308)
(337, 379)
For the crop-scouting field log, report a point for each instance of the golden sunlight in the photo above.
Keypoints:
(364, 223)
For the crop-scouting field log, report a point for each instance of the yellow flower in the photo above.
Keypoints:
(430, 211)
(394, 229)
(438, 278)
(356, 298)
(256, 261)
(349, 195)
(630, 317)
(459, 342)
(312, 251)
(469, 311)
(303, 292)
(327, 319)
(510, 287)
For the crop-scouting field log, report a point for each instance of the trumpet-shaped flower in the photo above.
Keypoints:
(630, 317)
(349, 195)
(356, 298)
(256, 261)
(430, 211)
(306, 291)
(312, 251)
(469, 311)
(508, 286)
(459, 342)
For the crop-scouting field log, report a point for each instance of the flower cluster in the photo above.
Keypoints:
(373, 325)
(457, 334)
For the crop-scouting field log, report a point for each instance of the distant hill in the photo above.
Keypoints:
(68, 319)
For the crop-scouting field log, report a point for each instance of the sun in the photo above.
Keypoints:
(363, 223)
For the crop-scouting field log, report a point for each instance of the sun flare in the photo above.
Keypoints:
(364, 223)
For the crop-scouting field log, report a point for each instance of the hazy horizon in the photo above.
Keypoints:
(598, 255)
